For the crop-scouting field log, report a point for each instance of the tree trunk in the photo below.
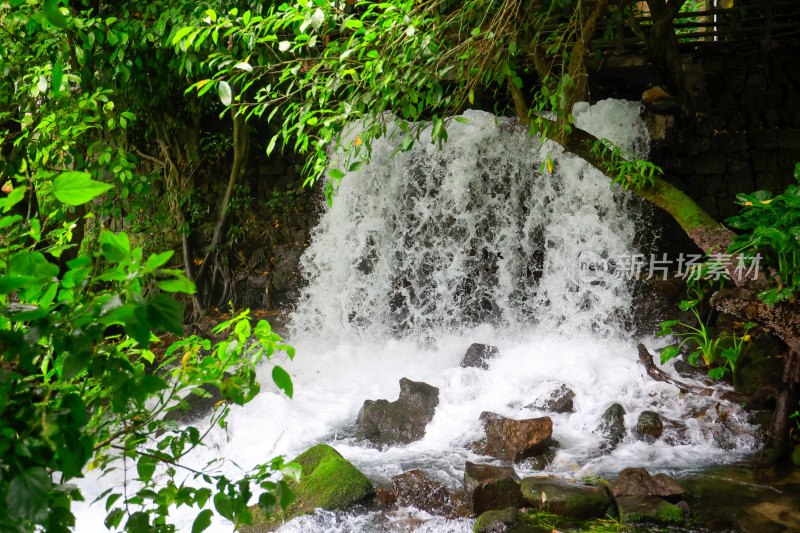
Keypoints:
(241, 146)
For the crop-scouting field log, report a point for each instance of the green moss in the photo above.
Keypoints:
(648, 509)
(328, 481)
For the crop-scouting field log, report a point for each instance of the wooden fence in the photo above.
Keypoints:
(767, 24)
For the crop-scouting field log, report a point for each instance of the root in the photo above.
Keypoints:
(659, 375)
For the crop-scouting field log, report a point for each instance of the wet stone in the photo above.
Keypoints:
(514, 440)
(639, 482)
(612, 425)
(560, 401)
(649, 426)
(477, 355)
(565, 498)
(402, 421)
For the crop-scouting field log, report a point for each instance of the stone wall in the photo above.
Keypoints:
(746, 132)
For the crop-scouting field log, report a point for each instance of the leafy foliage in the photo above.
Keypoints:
(75, 392)
(771, 227)
(719, 352)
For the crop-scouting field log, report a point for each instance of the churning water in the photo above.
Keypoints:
(427, 251)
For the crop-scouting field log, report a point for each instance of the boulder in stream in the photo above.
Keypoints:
(612, 425)
(566, 498)
(560, 401)
(649, 427)
(402, 421)
(648, 509)
(514, 440)
(414, 489)
(490, 487)
(639, 482)
(477, 354)
(328, 481)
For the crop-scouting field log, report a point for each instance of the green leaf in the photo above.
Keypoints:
(667, 353)
(225, 93)
(57, 77)
(27, 494)
(164, 312)
(335, 173)
(114, 518)
(115, 247)
(353, 24)
(146, 467)
(202, 521)
(77, 188)
(157, 260)
(223, 505)
(716, 373)
(13, 283)
(16, 195)
(53, 14)
(283, 380)
(177, 285)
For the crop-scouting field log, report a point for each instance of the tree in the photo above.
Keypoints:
(81, 385)
(321, 66)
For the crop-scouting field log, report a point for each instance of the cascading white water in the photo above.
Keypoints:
(435, 240)
(428, 251)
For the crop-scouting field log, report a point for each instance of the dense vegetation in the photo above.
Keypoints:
(108, 110)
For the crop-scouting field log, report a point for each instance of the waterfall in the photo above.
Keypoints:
(423, 253)
(434, 240)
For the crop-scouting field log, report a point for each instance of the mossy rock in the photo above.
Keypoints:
(566, 498)
(507, 521)
(328, 481)
(648, 509)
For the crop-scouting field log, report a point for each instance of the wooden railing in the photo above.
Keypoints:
(767, 24)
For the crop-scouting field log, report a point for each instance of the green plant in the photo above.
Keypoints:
(628, 171)
(771, 227)
(81, 388)
(281, 203)
(730, 355)
(707, 344)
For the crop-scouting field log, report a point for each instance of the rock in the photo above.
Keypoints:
(649, 426)
(684, 369)
(657, 100)
(414, 489)
(285, 266)
(507, 521)
(499, 521)
(402, 421)
(328, 481)
(477, 473)
(638, 482)
(514, 440)
(647, 509)
(495, 494)
(560, 401)
(565, 498)
(612, 425)
(477, 354)
(540, 461)
(386, 498)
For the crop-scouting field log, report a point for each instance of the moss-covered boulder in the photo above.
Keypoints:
(507, 521)
(565, 498)
(328, 481)
(648, 509)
